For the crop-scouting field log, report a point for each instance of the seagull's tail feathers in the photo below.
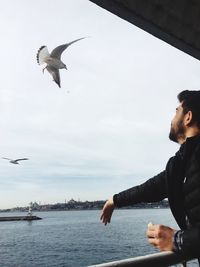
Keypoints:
(42, 54)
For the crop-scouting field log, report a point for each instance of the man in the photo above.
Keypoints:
(179, 182)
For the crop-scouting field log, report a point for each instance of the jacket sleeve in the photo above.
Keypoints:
(188, 241)
(152, 190)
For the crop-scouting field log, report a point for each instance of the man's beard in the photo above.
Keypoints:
(177, 133)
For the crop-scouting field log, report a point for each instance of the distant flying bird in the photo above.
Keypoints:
(53, 60)
(15, 161)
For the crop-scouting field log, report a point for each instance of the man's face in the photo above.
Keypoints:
(177, 131)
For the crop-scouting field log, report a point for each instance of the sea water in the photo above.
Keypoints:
(78, 238)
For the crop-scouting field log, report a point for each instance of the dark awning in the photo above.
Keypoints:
(176, 22)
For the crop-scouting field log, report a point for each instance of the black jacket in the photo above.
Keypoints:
(180, 183)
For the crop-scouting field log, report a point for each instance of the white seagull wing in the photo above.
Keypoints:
(55, 74)
(56, 53)
(42, 54)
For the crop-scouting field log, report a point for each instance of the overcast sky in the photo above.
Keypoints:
(106, 129)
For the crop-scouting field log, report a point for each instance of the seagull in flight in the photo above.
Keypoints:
(53, 60)
(15, 161)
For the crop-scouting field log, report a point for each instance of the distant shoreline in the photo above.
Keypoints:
(86, 205)
(126, 208)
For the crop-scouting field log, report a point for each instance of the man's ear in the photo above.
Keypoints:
(188, 118)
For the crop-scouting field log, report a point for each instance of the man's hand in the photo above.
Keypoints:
(107, 211)
(160, 236)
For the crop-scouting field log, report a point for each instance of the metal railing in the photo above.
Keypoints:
(161, 259)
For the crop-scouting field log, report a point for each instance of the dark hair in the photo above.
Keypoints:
(191, 102)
